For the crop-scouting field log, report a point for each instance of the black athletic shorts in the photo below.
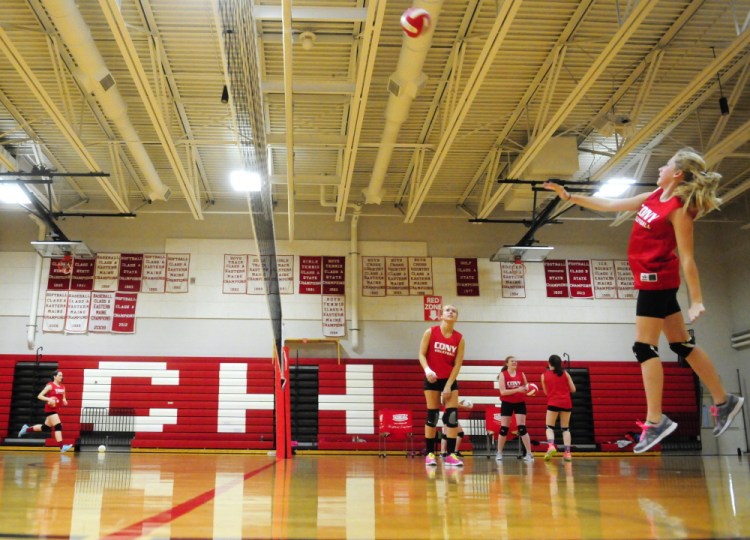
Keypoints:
(657, 304)
(507, 409)
(555, 408)
(439, 385)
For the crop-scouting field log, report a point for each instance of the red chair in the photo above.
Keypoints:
(395, 424)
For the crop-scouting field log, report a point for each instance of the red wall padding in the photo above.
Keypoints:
(350, 395)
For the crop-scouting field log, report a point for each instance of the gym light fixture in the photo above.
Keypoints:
(245, 181)
(614, 187)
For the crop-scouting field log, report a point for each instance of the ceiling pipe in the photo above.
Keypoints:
(97, 80)
(403, 86)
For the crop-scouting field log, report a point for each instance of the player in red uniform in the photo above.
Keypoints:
(557, 386)
(664, 221)
(441, 353)
(513, 387)
(53, 395)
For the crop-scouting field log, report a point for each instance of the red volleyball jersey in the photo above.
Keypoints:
(512, 382)
(442, 351)
(56, 391)
(651, 252)
(558, 390)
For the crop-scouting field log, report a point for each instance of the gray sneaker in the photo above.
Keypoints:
(653, 434)
(498, 457)
(725, 413)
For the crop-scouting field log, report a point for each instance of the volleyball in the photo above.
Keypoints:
(533, 389)
(102, 448)
(414, 21)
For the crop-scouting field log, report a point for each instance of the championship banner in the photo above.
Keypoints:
(131, 272)
(106, 272)
(513, 280)
(373, 276)
(102, 312)
(83, 274)
(55, 307)
(604, 279)
(334, 315)
(77, 315)
(397, 276)
(285, 272)
(123, 320)
(178, 272)
(334, 275)
(256, 266)
(433, 308)
(310, 275)
(234, 280)
(154, 273)
(60, 273)
(556, 277)
(625, 282)
(420, 276)
(579, 277)
(467, 277)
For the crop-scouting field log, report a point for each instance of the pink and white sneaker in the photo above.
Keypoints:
(453, 461)
(430, 461)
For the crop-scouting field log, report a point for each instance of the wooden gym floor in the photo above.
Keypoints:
(240, 495)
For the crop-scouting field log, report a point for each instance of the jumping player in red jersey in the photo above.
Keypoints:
(558, 386)
(53, 395)
(664, 222)
(441, 353)
(513, 388)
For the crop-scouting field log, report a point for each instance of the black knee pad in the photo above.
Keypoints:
(522, 430)
(442, 436)
(432, 417)
(565, 429)
(644, 351)
(460, 434)
(504, 430)
(57, 427)
(551, 427)
(46, 428)
(450, 417)
(683, 348)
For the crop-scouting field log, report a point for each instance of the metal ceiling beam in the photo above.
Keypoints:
(366, 51)
(286, 24)
(684, 99)
(324, 14)
(124, 41)
(598, 65)
(495, 38)
(37, 89)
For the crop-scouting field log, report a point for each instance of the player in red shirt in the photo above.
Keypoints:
(53, 395)
(664, 221)
(558, 386)
(513, 387)
(441, 354)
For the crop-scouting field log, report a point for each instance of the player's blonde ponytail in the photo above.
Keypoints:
(698, 190)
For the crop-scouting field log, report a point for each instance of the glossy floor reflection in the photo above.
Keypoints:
(159, 495)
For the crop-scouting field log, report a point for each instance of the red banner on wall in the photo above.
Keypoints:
(123, 320)
(579, 277)
(467, 277)
(83, 274)
(334, 275)
(310, 274)
(131, 271)
(556, 277)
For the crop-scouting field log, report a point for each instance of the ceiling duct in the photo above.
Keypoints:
(521, 254)
(741, 341)
(96, 78)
